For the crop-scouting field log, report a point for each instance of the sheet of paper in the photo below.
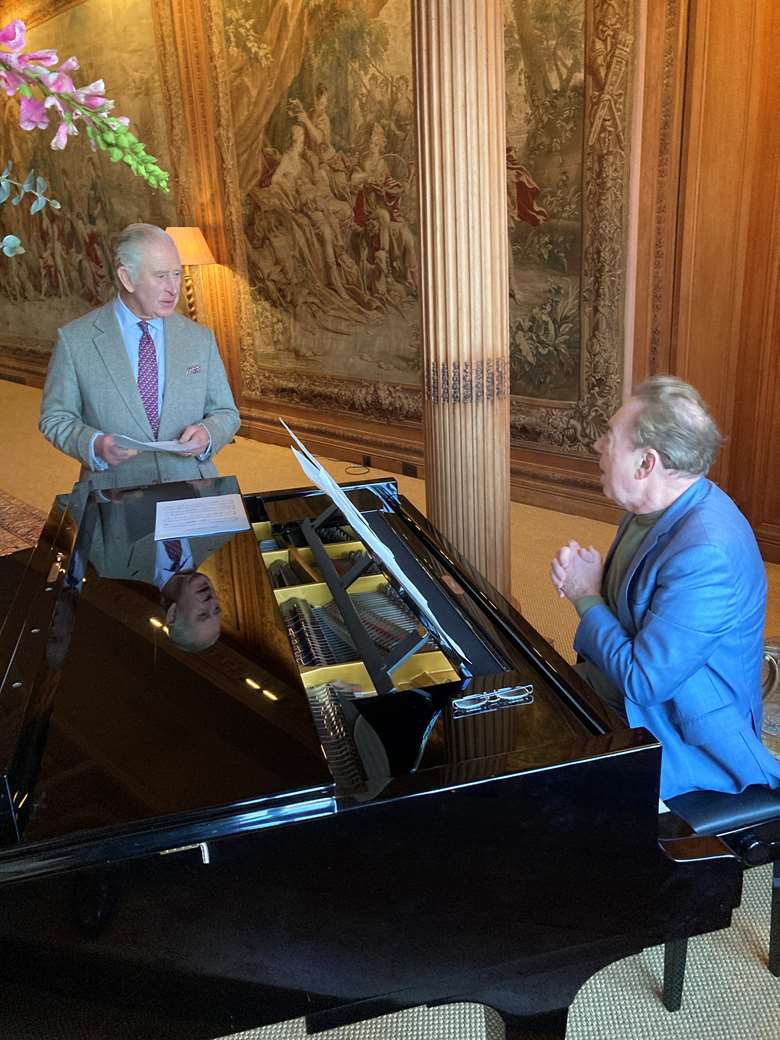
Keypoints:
(131, 444)
(190, 517)
(317, 473)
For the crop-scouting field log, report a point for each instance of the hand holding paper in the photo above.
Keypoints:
(130, 444)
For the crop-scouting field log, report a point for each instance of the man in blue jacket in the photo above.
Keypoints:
(671, 624)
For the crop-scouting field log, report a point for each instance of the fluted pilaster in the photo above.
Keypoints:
(459, 74)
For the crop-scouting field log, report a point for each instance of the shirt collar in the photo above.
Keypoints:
(129, 321)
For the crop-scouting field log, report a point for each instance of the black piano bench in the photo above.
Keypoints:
(749, 823)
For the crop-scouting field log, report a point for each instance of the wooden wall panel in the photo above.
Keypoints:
(753, 476)
(725, 328)
(715, 200)
(666, 36)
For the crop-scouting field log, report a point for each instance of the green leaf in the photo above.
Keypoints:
(115, 154)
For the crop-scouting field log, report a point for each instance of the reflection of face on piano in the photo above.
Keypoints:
(193, 614)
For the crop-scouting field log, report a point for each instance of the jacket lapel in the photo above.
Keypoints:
(111, 348)
(176, 356)
(677, 509)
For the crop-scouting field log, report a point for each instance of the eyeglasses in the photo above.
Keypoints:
(495, 698)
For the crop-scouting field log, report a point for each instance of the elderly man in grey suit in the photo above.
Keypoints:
(135, 367)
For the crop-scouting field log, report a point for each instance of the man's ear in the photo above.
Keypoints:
(647, 464)
(124, 277)
(170, 615)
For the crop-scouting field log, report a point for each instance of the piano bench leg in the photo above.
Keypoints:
(550, 1026)
(774, 922)
(675, 953)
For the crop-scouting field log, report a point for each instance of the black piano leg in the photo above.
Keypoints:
(675, 953)
(549, 1026)
(774, 922)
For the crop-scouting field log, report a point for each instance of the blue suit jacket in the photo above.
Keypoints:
(686, 645)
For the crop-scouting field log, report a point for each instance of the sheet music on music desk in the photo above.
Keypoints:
(190, 517)
(317, 473)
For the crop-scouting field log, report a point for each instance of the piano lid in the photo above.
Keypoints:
(146, 721)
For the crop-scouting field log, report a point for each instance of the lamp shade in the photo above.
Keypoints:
(192, 246)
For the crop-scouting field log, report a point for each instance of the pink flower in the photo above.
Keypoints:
(32, 114)
(10, 61)
(12, 35)
(9, 81)
(94, 102)
(58, 82)
(70, 65)
(60, 139)
(98, 87)
(53, 102)
(39, 58)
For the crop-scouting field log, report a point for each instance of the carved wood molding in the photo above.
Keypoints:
(35, 12)
(669, 147)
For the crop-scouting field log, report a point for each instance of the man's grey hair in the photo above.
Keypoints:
(674, 420)
(129, 245)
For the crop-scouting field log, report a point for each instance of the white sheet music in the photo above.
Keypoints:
(190, 517)
(323, 480)
(131, 444)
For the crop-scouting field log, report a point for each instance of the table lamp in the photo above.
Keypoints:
(193, 251)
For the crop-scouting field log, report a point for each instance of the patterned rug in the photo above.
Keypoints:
(20, 524)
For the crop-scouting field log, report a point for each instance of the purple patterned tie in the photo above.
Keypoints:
(174, 549)
(147, 376)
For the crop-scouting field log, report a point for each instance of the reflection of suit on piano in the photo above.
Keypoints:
(123, 544)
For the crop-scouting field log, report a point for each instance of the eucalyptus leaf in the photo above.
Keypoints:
(7, 170)
(40, 185)
(5, 191)
(38, 205)
(29, 181)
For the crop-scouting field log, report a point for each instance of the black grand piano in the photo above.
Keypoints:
(379, 788)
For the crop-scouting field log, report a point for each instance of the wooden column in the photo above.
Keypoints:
(459, 82)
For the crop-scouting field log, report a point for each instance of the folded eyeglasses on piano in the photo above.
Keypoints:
(378, 788)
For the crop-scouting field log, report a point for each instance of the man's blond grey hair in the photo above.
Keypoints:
(675, 422)
(129, 245)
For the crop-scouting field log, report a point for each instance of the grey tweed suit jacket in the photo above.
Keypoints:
(90, 388)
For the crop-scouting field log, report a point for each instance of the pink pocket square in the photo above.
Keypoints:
(192, 370)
